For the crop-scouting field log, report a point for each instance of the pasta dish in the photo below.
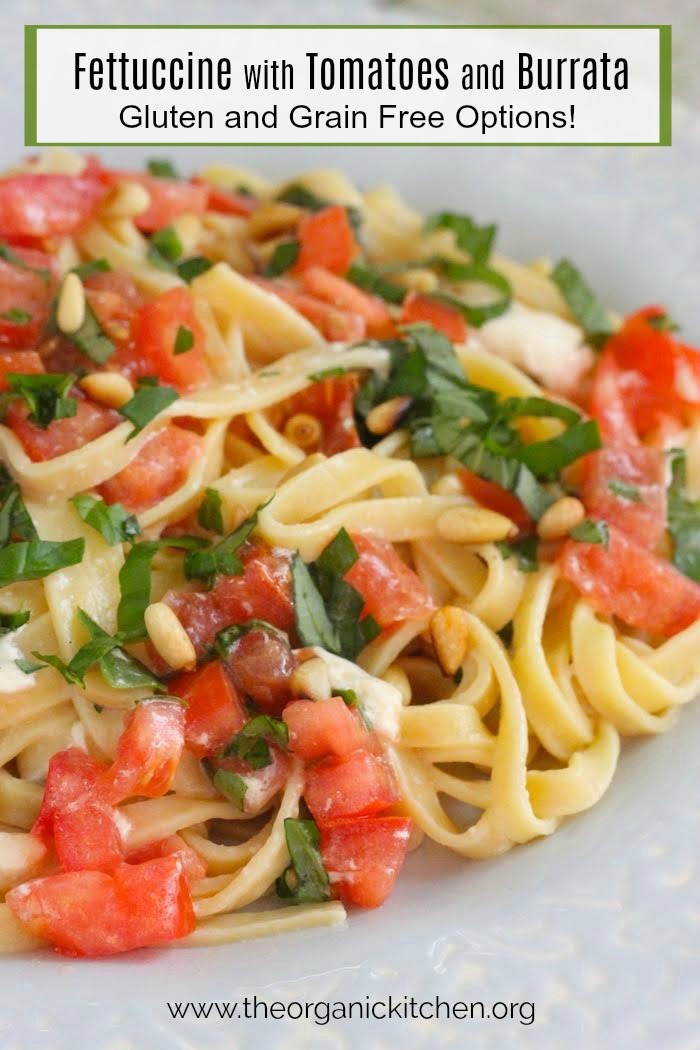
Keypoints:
(324, 529)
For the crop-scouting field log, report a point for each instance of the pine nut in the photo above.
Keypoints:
(384, 417)
(474, 525)
(169, 637)
(273, 218)
(562, 516)
(109, 388)
(303, 430)
(70, 312)
(125, 200)
(310, 680)
(449, 631)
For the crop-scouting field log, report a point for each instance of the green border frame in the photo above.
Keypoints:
(30, 85)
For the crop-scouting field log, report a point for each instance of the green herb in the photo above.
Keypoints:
(135, 582)
(348, 696)
(373, 282)
(251, 743)
(282, 259)
(524, 551)
(89, 338)
(582, 302)
(148, 402)
(220, 559)
(45, 395)
(592, 531)
(162, 169)
(190, 268)
(29, 666)
(184, 340)
(165, 252)
(16, 315)
(476, 241)
(663, 323)
(326, 373)
(12, 621)
(209, 515)
(683, 519)
(89, 269)
(305, 881)
(14, 259)
(14, 516)
(114, 524)
(35, 559)
(231, 786)
(303, 198)
(624, 490)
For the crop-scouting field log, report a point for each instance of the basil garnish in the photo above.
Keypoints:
(683, 516)
(305, 881)
(135, 582)
(184, 340)
(625, 491)
(13, 620)
(282, 259)
(371, 281)
(35, 559)
(45, 395)
(162, 169)
(582, 302)
(165, 253)
(251, 743)
(149, 401)
(592, 531)
(220, 559)
(112, 521)
(232, 786)
(209, 515)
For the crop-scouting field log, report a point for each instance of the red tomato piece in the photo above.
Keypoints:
(227, 202)
(73, 777)
(331, 401)
(262, 664)
(426, 309)
(115, 300)
(323, 727)
(643, 518)
(492, 496)
(214, 712)
(161, 467)
(363, 857)
(329, 287)
(155, 331)
(86, 836)
(392, 592)
(22, 362)
(671, 368)
(149, 751)
(262, 785)
(630, 582)
(170, 198)
(355, 786)
(23, 289)
(337, 326)
(263, 592)
(192, 864)
(326, 239)
(63, 435)
(92, 913)
(611, 401)
(43, 205)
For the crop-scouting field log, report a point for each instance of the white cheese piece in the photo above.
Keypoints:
(379, 701)
(12, 680)
(543, 345)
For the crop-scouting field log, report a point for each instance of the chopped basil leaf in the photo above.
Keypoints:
(122, 671)
(16, 315)
(251, 743)
(475, 241)
(524, 551)
(165, 253)
(663, 323)
(14, 259)
(190, 268)
(348, 696)
(162, 169)
(167, 243)
(29, 666)
(592, 531)
(582, 302)
(14, 516)
(45, 395)
(312, 621)
(325, 373)
(88, 269)
(371, 281)
(89, 338)
(35, 559)
(135, 582)
(114, 524)
(148, 402)
(220, 559)
(303, 198)
(306, 880)
(232, 786)
(12, 621)
(477, 273)
(547, 458)
(683, 521)
(209, 515)
(184, 340)
(283, 257)
(624, 490)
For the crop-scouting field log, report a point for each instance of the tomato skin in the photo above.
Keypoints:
(330, 288)
(671, 368)
(326, 239)
(492, 496)
(630, 582)
(170, 198)
(192, 864)
(323, 727)
(148, 752)
(155, 330)
(25, 290)
(72, 777)
(363, 857)
(63, 435)
(392, 592)
(330, 401)
(226, 202)
(23, 362)
(43, 204)
(161, 467)
(87, 838)
(643, 520)
(90, 913)
(355, 786)
(262, 664)
(337, 326)
(424, 309)
(214, 712)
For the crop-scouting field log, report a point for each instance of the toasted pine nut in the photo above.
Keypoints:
(109, 388)
(125, 200)
(420, 280)
(310, 680)
(449, 631)
(474, 525)
(169, 637)
(303, 430)
(272, 218)
(562, 516)
(384, 417)
(70, 312)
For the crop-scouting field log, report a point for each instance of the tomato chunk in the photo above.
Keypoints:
(329, 287)
(337, 326)
(363, 857)
(42, 204)
(161, 467)
(262, 663)
(494, 497)
(115, 300)
(392, 592)
(227, 202)
(330, 401)
(73, 777)
(170, 198)
(24, 299)
(86, 836)
(149, 751)
(215, 710)
(262, 785)
(22, 362)
(63, 435)
(355, 786)
(192, 864)
(155, 332)
(428, 310)
(630, 582)
(92, 913)
(326, 239)
(323, 727)
(634, 470)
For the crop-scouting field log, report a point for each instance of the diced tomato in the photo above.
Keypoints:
(671, 368)
(161, 467)
(92, 913)
(86, 836)
(492, 496)
(73, 777)
(26, 291)
(337, 291)
(263, 592)
(611, 401)
(155, 331)
(214, 712)
(642, 515)
(43, 205)
(170, 198)
(337, 326)
(363, 857)
(227, 202)
(355, 786)
(115, 300)
(22, 362)
(628, 581)
(392, 592)
(262, 785)
(428, 310)
(149, 751)
(326, 239)
(323, 727)
(192, 864)
(63, 435)
(262, 664)
(330, 401)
